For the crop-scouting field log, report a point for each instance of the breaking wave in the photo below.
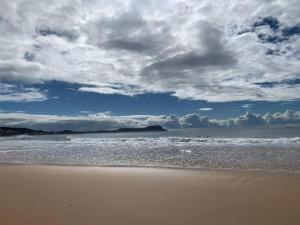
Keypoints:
(184, 152)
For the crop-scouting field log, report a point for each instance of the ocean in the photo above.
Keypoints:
(255, 148)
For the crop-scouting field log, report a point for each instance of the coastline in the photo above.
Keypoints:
(60, 194)
(28, 164)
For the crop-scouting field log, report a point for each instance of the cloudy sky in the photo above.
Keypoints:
(82, 59)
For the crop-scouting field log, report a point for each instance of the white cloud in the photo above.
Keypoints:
(247, 106)
(205, 109)
(207, 50)
(194, 120)
(112, 89)
(107, 120)
(85, 112)
(14, 93)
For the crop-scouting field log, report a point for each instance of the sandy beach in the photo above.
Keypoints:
(59, 195)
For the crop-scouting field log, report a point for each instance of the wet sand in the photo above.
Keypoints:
(61, 195)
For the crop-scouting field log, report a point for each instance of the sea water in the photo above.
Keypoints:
(266, 148)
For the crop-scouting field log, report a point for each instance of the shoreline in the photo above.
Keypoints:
(3, 164)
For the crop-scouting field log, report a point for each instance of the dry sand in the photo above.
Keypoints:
(57, 195)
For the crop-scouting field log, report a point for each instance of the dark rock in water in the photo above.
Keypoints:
(144, 129)
(9, 131)
(66, 132)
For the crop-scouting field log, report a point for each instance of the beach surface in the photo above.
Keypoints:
(61, 195)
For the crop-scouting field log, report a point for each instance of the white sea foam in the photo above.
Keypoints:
(187, 152)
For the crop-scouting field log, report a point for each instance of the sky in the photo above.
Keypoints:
(91, 64)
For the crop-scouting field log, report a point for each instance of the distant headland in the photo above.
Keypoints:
(9, 131)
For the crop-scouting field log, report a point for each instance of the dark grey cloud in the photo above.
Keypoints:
(16, 70)
(70, 35)
(193, 60)
(130, 32)
(180, 47)
(130, 45)
(180, 66)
